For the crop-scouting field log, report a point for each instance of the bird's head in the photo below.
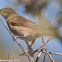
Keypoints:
(5, 12)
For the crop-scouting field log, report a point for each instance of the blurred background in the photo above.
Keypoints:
(9, 48)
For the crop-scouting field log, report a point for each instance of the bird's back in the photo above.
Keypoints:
(23, 27)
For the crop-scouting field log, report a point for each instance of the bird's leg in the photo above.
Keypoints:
(28, 43)
(30, 50)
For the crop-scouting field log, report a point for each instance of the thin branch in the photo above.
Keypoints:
(55, 16)
(49, 55)
(52, 53)
(49, 52)
(30, 58)
(13, 36)
(43, 44)
(60, 29)
(38, 56)
(44, 57)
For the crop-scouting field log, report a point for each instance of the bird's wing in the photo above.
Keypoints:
(20, 21)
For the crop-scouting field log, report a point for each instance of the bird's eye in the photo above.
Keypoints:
(4, 11)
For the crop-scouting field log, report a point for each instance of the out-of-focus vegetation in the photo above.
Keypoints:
(35, 7)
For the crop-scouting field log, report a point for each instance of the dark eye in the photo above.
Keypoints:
(4, 11)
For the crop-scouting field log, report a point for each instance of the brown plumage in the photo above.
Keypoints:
(21, 27)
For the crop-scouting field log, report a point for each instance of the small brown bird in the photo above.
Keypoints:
(21, 27)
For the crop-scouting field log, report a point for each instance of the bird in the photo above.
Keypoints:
(20, 27)
(23, 28)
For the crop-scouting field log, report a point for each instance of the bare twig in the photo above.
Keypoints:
(44, 57)
(39, 55)
(49, 52)
(52, 53)
(55, 17)
(49, 55)
(46, 51)
(43, 44)
(30, 58)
